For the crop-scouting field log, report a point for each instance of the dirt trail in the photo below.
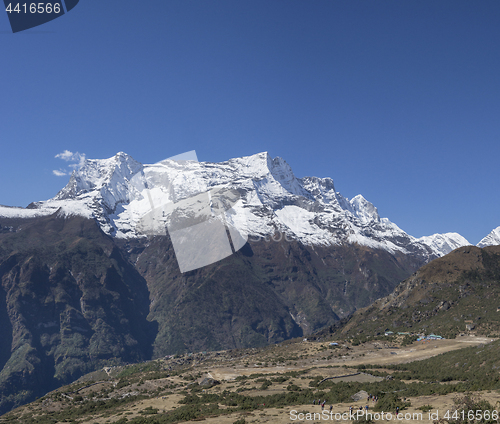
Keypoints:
(415, 352)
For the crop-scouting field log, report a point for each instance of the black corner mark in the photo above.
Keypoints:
(28, 14)
(70, 4)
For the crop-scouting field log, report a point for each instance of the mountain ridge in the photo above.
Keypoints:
(308, 209)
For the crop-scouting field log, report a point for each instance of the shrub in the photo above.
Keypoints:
(363, 420)
(389, 402)
(265, 384)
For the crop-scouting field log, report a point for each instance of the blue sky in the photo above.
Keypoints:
(396, 100)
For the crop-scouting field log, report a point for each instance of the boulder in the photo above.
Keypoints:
(209, 382)
(361, 395)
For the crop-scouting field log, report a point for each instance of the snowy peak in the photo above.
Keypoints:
(282, 172)
(101, 174)
(321, 189)
(492, 239)
(442, 244)
(272, 175)
(364, 210)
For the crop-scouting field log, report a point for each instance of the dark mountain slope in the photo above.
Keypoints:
(267, 292)
(69, 302)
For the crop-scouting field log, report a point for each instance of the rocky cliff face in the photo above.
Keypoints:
(69, 302)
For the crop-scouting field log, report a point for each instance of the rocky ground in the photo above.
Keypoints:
(122, 394)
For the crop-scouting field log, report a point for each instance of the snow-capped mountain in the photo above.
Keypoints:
(118, 191)
(492, 239)
(444, 243)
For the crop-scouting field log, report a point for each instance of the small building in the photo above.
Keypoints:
(389, 333)
(434, 337)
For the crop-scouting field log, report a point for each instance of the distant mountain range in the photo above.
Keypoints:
(82, 285)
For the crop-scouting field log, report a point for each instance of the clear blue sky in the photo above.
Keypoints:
(396, 100)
